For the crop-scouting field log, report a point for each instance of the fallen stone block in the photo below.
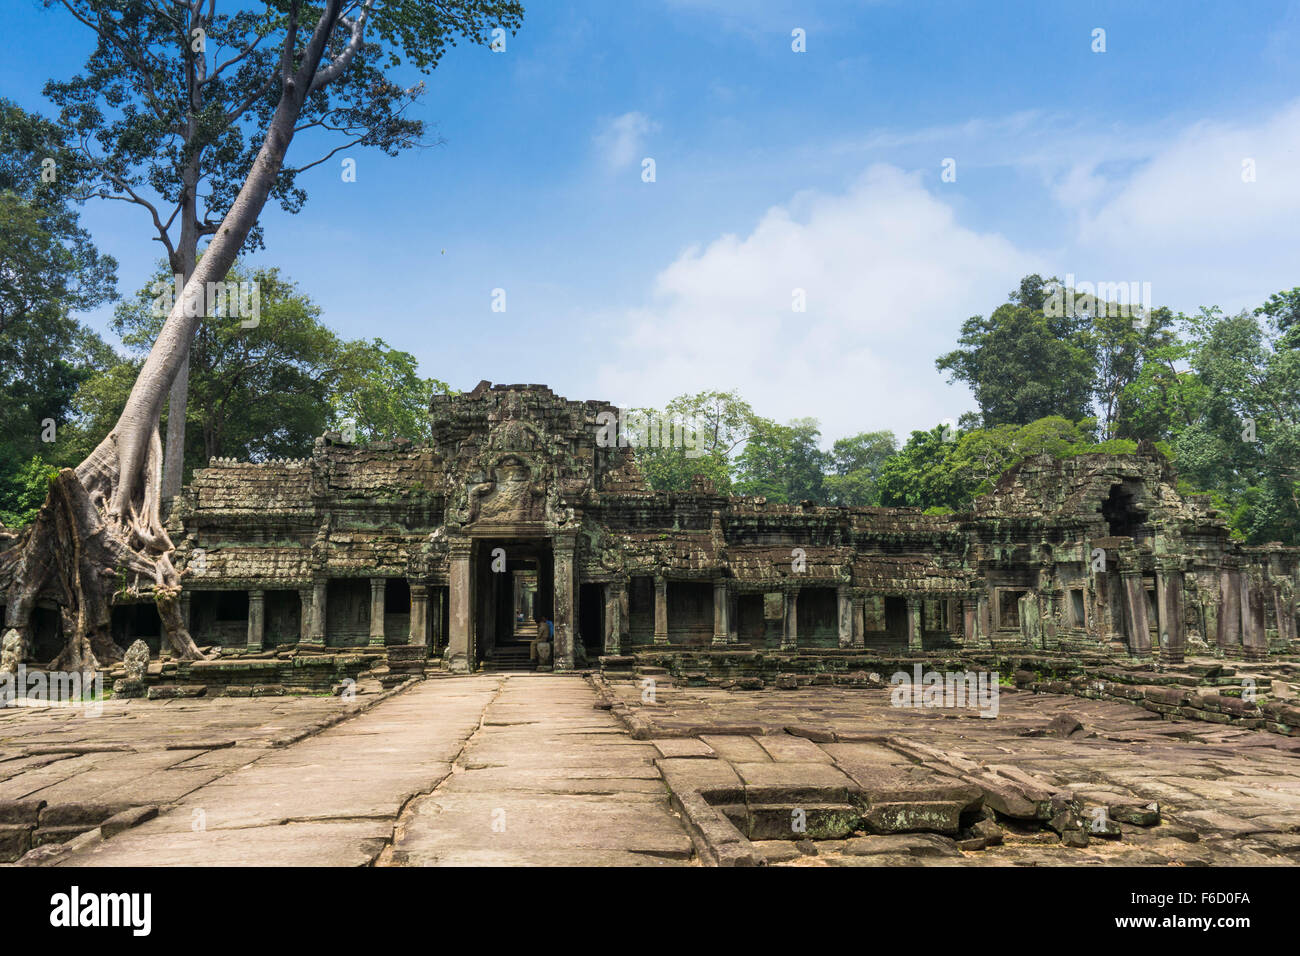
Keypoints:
(914, 816)
(827, 821)
(1064, 725)
(1138, 814)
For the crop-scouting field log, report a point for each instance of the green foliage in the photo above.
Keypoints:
(23, 489)
(152, 116)
(49, 269)
(265, 391)
(782, 462)
(1023, 364)
(856, 463)
(722, 421)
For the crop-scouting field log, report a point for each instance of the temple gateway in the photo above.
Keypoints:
(515, 514)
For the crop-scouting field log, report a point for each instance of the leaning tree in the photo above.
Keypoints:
(317, 67)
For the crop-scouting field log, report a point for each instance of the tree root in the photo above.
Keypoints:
(84, 558)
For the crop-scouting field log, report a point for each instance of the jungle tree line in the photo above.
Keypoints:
(1217, 393)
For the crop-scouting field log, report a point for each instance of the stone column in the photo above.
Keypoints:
(859, 619)
(1135, 614)
(661, 610)
(378, 587)
(956, 623)
(185, 610)
(914, 625)
(1254, 639)
(720, 612)
(418, 635)
(256, 619)
(1169, 592)
(790, 622)
(1284, 611)
(565, 600)
(624, 615)
(844, 599)
(304, 615)
(319, 594)
(970, 621)
(1228, 632)
(733, 616)
(459, 658)
(614, 592)
(984, 618)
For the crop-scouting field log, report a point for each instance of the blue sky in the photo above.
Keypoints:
(777, 171)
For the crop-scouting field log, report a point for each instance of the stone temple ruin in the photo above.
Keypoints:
(449, 554)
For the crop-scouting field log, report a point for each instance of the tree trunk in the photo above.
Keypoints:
(99, 532)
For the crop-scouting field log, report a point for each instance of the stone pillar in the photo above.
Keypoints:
(1254, 639)
(256, 619)
(790, 621)
(565, 601)
(1135, 614)
(624, 616)
(914, 625)
(970, 621)
(661, 610)
(1284, 611)
(378, 587)
(859, 619)
(844, 599)
(1169, 594)
(1228, 635)
(613, 616)
(418, 635)
(319, 594)
(733, 616)
(956, 623)
(185, 611)
(984, 618)
(460, 603)
(720, 607)
(304, 615)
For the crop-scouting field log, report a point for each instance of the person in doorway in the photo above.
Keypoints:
(545, 632)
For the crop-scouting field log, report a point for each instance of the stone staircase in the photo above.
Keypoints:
(513, 657)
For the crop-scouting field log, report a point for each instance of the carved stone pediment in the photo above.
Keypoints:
(511, 495)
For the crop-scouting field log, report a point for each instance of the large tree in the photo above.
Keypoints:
(307, 67)
(173, 103)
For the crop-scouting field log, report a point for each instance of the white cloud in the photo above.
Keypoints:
(1185, 220)
(889, 277)
(621, 141)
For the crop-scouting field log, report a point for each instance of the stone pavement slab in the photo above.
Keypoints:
(547, 780)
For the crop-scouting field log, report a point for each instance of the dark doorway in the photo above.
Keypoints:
(591, 619)
(510, 574)
(47, 633)
(896, 619)
(132, 622)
